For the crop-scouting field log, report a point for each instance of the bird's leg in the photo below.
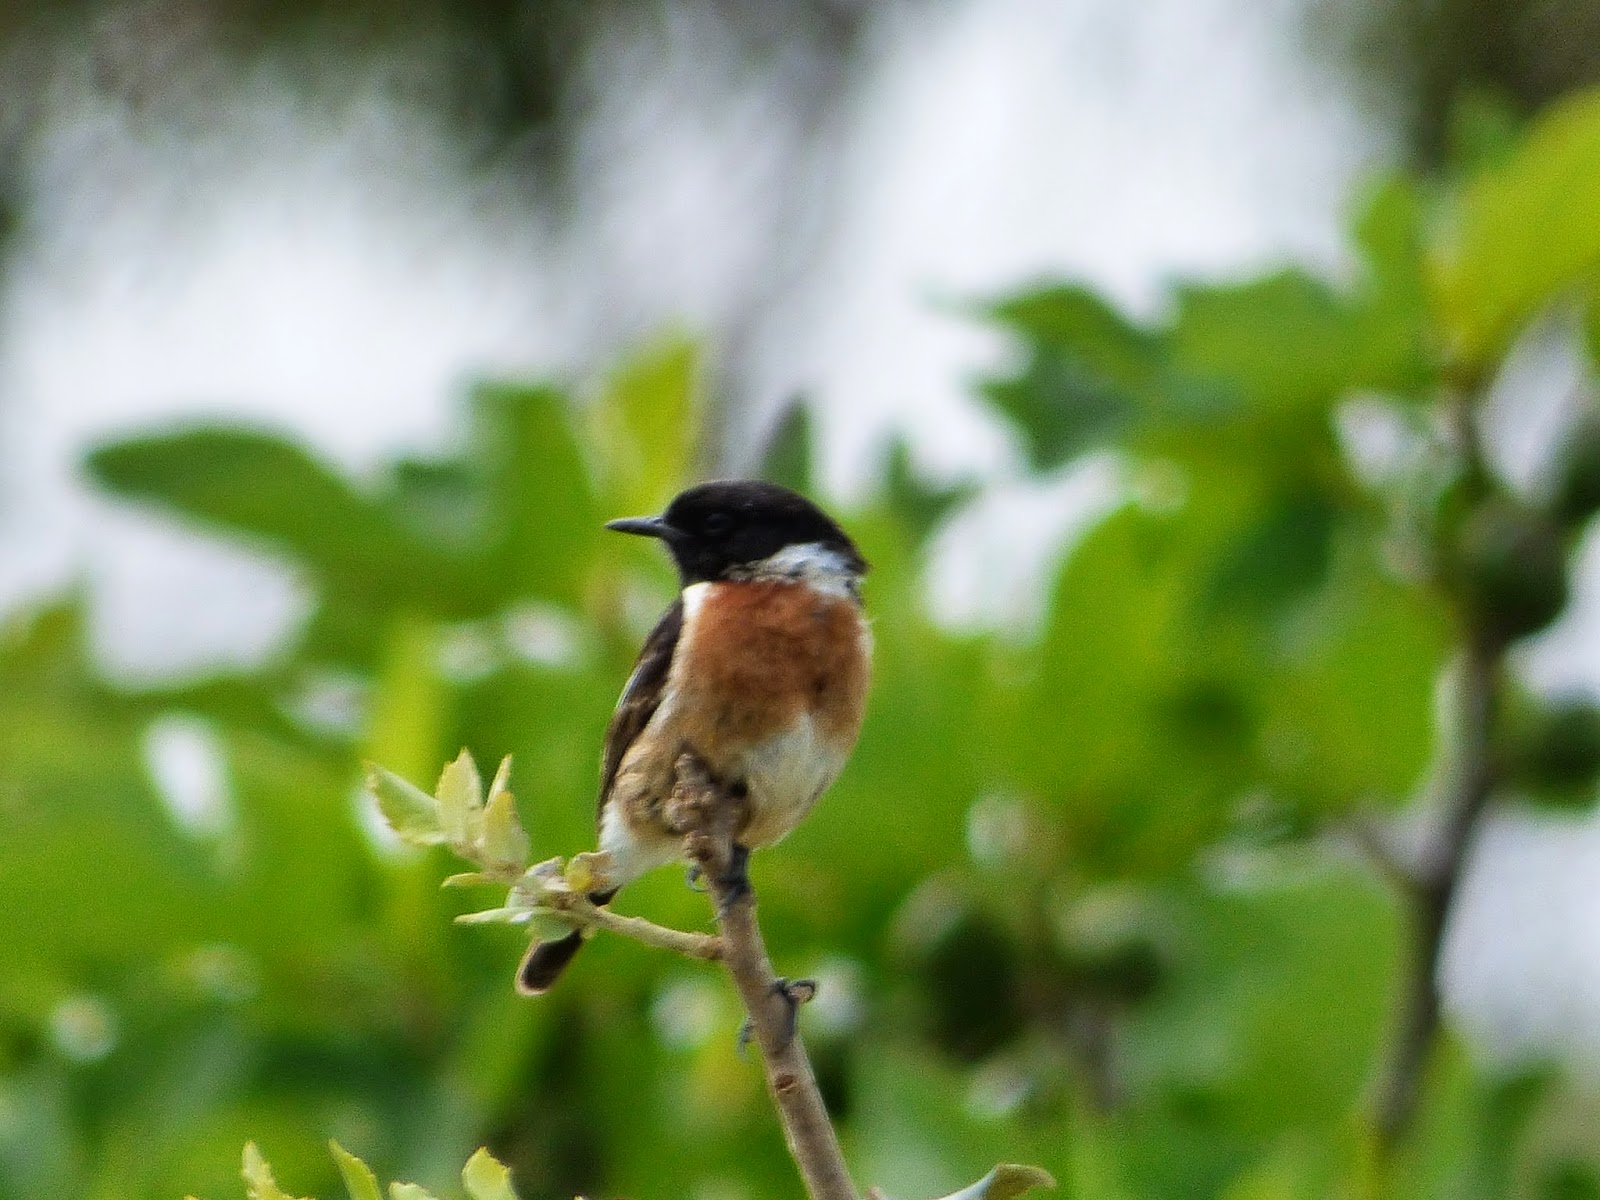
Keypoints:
(795, 992)
(733, 884)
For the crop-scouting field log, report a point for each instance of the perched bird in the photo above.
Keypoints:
(759, 668)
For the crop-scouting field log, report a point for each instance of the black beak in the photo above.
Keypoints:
(645, 527)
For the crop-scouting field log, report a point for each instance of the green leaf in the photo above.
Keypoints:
(1351, 701)
(501, 783)
(1392, 321)
(1071, 317)
(410, 1191)
(1006, 1182)
(645, 424)
(1087, 366)
(787, 456)
(258, 1181)
(540, 497)
(1279, 558)
(1389, 230)
(505, 843)
(507, 915)
(919, 503)
(359, 1180)
(410, 811)
(1276, 999)
(253, 483)
(1552, 753)
(468, 879)
(1525, 229)
(1483, 1132)
(1484, 130)
(1125, 664)
(1569, 1179)
(442, 500)
(410, 698)
(486, 1178)
(920, 1135)
(1287, 341)
(460, 796)
(1575, 483)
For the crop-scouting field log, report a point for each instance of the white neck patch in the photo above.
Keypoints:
(814, 564)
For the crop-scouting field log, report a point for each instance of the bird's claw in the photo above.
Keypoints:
(733, 885)
(796, 992)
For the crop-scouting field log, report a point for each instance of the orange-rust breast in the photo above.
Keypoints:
(756, 656)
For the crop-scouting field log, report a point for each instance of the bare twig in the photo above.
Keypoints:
(584, 915)
(709, 817)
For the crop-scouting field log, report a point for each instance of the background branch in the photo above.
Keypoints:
(1434, 887)
(1434, 882)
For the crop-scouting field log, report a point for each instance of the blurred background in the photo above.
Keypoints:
(1209, 382)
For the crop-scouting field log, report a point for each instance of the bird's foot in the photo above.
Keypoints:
(733, 885)
(795, 992)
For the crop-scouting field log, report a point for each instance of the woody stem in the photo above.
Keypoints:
(586, 915)
(709, 815)
(1432, 886)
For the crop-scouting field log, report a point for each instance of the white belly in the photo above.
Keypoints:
(785, 775)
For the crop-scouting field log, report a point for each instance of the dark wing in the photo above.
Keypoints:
(642, 696)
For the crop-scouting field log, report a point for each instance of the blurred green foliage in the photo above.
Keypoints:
(1086, 896)
(486, 1178)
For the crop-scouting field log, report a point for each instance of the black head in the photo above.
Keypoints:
(721, 530)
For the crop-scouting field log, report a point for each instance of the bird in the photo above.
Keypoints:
(759, 668)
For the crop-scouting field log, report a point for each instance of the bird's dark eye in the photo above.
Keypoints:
(717, 524)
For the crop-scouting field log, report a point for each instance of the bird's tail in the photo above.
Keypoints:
(545, 961)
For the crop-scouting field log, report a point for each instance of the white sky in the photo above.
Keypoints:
(326, 269)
